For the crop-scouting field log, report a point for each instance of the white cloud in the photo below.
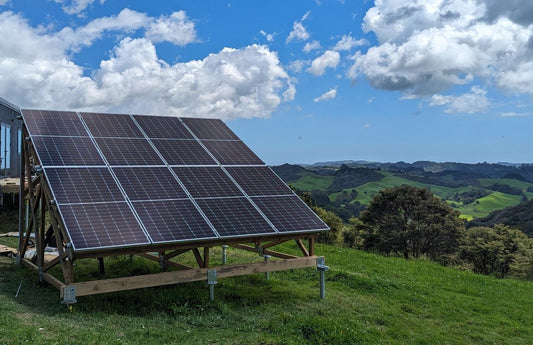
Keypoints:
(3, 2)
(513, 114)
(297, 66)
(298, 30)
(176, 28)
(347, 42)
(469, 103)
(37, 70)
(268, 37)
(310, 46)
(75, 6)
(428, 47)
(330, 59)
(327, 96)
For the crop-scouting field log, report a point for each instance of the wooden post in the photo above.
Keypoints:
(206, 257)
(198, 257)
(311, 246)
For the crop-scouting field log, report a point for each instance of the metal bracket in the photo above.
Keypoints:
(224, 254)
(69, 295)
(321, 264)
(212, 281)
(267, 257)
(260, 250)
(70, 251)
(322, 268)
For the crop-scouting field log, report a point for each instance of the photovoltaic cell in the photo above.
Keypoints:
(234, 217)
(65, 151)
(205, 182)
(45, 122)
(154, 183)
(173, 220)
(124, 151)
(259, 181)
(111, 125)
(232, 152)
(163, 127)
(82, 185)
(210, 129)
(95, 226)
(183, 152)
(289, 214)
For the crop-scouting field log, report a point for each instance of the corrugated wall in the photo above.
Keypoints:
(8, 117)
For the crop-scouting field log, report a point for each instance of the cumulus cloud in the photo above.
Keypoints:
(469, 103)
(330, 59)
(428, 47)
(75, 6)
(327, 96)
(347, 42)
(310, 46)
(176, 28)
(297, 66)
(514, 114)
(267, 36)
(298, 30)
(38, 70)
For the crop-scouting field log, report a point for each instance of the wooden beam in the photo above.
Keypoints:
(176, 253)
(167, 262)
(198, 257)
(198, 274)
(206, 257)
(46, 276)
(267, 252)
(274, 243)
(301, 245)
(311, 245)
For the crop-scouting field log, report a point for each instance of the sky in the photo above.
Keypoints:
(298, 81)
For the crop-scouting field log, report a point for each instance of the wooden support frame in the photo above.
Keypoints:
(44, 222)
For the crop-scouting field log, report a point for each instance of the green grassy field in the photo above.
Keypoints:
(370, 299)
(310, 181)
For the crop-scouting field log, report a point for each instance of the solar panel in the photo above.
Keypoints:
(259, 181)
(163, 127)
(210, 129)
(173, 220)
(111, 125)
(154, 183)
(65, 151)
(232, 152)
(204, 182)
(183, 152)
(139, 180)
(234, 217)
(289, 214)
(96, 226)
(45, 122)
(124, 151)
(82, 185)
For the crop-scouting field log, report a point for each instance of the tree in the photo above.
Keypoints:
(500, 250)
(410, 221)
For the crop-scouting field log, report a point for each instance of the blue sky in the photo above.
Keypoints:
(298, 81)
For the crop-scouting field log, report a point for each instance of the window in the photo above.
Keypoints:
(19, 142)
(5, 145)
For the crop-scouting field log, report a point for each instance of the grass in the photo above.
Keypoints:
(484, 206)
(310, 181)
(370, 299)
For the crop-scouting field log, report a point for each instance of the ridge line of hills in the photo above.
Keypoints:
(478, 191)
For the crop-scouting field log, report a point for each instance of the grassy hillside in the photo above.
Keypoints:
(369, 300)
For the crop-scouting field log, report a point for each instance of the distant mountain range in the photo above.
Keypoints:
(478, 191)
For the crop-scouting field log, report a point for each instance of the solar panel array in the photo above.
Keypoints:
(136, 180)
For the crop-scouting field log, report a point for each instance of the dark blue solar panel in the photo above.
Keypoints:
(173, 221)
(205, 182)
(259, 181)
(66, 151)
(183, 152)
(154, 183)
(232, 152)
(111, 125)
(83, 185)
(122, 151)
(234, 217)
(96, 226)
(289, 214)
(45, 122)
(210, 129)
(163, 127)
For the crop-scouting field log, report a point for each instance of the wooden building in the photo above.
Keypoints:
(10, 139)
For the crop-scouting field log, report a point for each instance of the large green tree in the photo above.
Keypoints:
(500, 250)
(410, 221)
